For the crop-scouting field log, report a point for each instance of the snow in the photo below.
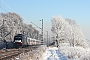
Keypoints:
(52, 53)
(75, 53)
(34, 54)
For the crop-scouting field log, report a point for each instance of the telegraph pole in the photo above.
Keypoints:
(42, 30)
(4, 36)
(3, 29)
(47, 39)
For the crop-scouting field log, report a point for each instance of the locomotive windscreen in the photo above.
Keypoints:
(17, 37)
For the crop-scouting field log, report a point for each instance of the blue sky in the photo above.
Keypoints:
(34, 10)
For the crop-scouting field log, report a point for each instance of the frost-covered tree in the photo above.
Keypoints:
(59, 28)
(13, 24)
(78, 37)
(67, 31)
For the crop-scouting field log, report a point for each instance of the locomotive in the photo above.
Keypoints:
(21, 40)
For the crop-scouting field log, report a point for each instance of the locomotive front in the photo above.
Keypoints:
(18, 40)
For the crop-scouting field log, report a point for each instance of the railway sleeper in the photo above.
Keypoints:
(9, 56)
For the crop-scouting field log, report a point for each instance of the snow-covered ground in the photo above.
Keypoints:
(74, 53)
(42, 53)
(64, 52)
(52, 53)
(35, 54)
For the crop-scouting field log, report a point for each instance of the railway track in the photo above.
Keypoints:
(11, 53)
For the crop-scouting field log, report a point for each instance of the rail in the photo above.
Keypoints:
(12, 53)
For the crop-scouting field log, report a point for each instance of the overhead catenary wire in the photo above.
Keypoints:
(7, 5)
(35, 25)
(3, 8)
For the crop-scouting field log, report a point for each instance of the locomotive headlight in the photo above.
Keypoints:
(17, 40)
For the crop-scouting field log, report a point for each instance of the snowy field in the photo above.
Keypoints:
(52, 53)
(74, 53)
(42, 53)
